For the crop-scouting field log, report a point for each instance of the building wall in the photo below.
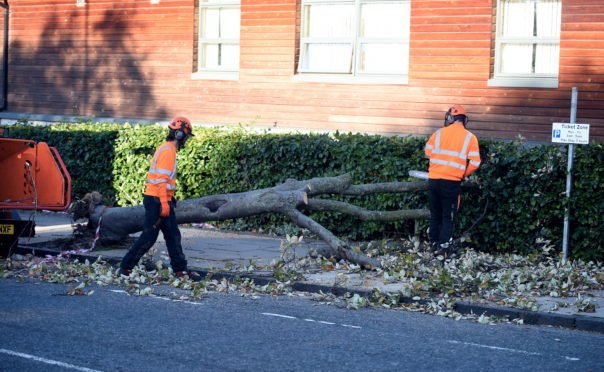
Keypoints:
(134, 59)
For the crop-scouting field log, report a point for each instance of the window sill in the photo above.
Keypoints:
(523, 82)
(215, 75)
(347, 79)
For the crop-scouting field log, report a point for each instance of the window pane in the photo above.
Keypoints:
(546, 59)
(384, 58)
(229, 57)
(210, 18)
(328, 20)
(328, 57)
(209, 55)
(385, 20)
(518, 18)
(220, 56)
(517, 58)
(548, 18)
(229, 23)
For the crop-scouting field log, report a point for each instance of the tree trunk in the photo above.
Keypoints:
(288, 198)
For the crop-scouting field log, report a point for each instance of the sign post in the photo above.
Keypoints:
(571, 133)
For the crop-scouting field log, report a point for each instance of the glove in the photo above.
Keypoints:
(174, 202)
(165, 209)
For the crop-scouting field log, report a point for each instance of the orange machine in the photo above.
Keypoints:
(32, 176)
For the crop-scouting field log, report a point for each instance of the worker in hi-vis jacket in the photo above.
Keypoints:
(454, 155)
(159, 203)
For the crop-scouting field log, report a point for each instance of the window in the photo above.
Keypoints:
(354, 40)
(218, 40)
(527, 43)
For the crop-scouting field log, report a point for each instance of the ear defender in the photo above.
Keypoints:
(179, 134)
(448, 118)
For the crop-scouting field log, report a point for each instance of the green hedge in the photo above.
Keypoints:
(524, 186)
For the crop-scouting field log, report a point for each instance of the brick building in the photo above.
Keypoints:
(375, 66)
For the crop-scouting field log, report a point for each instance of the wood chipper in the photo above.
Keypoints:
(32, 176)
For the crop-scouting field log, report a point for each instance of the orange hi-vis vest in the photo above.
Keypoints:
(161, 178)
(453, 153)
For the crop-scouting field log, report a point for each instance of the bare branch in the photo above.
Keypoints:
(341, 249)
(363, 214)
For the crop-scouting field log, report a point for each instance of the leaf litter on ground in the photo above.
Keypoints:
(434, 284)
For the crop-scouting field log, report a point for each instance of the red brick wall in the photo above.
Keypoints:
(133, 59)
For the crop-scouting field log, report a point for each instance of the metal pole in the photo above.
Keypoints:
(569, 175)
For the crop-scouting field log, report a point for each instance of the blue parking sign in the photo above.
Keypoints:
(556, 133)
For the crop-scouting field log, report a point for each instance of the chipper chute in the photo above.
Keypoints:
(32, 177)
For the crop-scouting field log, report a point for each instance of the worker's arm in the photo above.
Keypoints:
(164, 168)
(473, 157)
(430, 145)
(164, 200)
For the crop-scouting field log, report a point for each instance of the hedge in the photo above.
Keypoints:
(524, 186)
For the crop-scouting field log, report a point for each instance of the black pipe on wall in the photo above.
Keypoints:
(4, 103)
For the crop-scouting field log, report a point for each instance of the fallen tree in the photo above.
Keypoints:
(290, 198)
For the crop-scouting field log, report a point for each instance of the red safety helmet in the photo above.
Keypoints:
(457, 110)
(453, 112)
(181, 126)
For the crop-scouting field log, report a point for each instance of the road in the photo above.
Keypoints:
(42, 329)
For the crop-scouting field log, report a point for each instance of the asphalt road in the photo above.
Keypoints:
(42, 329)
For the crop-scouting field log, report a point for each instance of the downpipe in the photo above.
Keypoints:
(4, 104)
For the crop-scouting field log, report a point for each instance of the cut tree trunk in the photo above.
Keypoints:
(289, 198)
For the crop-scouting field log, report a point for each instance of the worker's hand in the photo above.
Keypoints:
(165, 209)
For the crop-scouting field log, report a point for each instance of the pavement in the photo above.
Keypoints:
(235, 254)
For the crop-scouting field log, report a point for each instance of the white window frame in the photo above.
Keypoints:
(356, 41)
(220, 73)
(531, 80)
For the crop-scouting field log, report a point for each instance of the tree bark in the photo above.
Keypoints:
(288, 198)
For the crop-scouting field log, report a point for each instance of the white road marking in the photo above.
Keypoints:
(504, 349)
(494, 347)
(310, 320)
(47, 361)
(280, 316)
(159, 297)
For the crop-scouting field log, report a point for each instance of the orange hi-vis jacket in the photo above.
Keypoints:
(161, 178)
(453, 153)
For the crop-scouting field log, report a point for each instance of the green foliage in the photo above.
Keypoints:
(526, 191)
(524, 186)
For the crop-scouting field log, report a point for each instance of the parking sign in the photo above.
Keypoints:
(570, 133)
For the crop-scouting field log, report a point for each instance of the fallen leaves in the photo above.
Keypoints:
(423, 283)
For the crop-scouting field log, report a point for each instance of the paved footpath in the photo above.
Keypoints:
(211, 250)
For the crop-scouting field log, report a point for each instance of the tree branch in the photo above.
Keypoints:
(363, 214)
(341, 249)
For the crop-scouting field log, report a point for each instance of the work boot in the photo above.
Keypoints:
(124, 272)
(445, 249)
(188, 274)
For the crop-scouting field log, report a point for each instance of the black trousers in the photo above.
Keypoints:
(153, 224)
(444, 198)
